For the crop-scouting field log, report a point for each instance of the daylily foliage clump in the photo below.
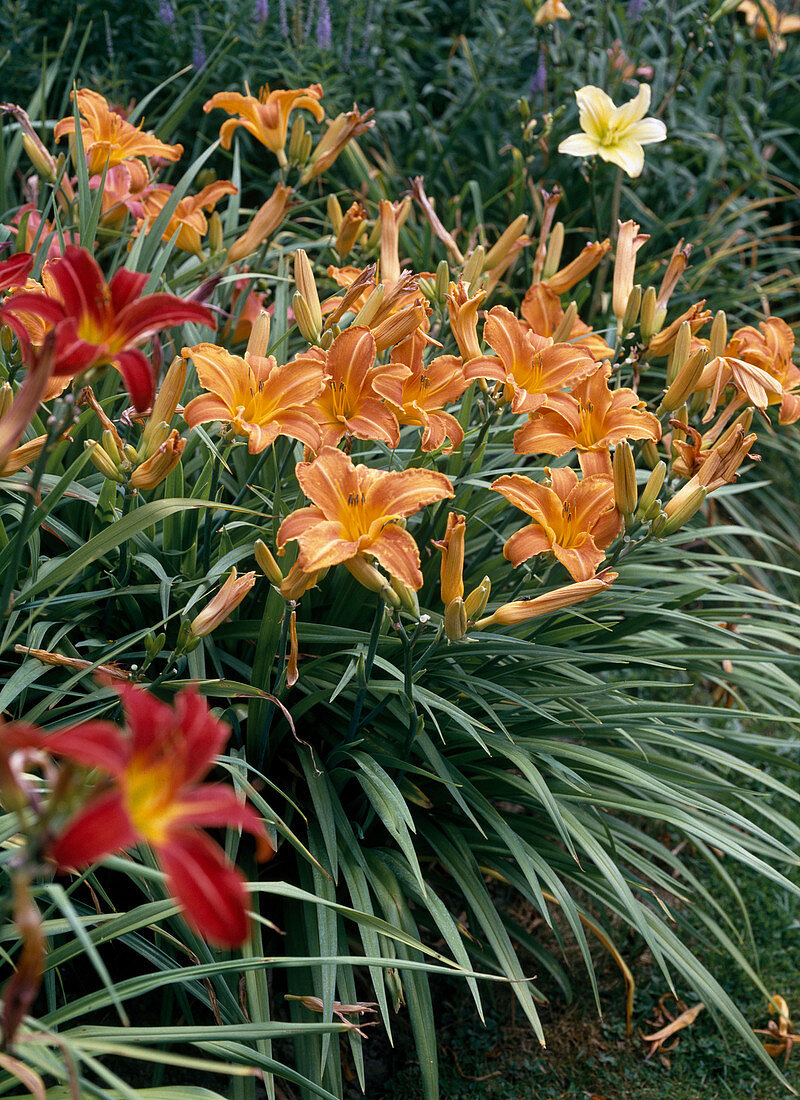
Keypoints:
(350, 522)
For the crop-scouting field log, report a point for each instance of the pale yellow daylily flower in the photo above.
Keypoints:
(616, 134)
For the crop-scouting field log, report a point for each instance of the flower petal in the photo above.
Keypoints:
(647, 131)
(397, 552)
(595, 108)
(580, 145)
(99, 829)
(627, 153)
(210, 889)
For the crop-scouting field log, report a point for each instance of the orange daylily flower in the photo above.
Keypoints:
(574, 520)
(771, 350)
(426, 390)
(750, 362)
(255, 396)
(716, 462)
(664, 341)
(591, 419)
(188, 217)
(353, 401)
(125, 189)
(222, 604)
(108, 139)
(266, 116)
(584, 263)
(341, 130)
(529, 366)
(541, 308)
(262, 225)
(769, 23)
(355, 512)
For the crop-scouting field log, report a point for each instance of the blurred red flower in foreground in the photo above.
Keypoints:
(98, 322)
(156, 797)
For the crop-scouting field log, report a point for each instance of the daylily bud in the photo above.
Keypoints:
(341, 130)
(6, 397)
(305, 150)
(476, 601)
(505, 242)
(258, 342)
(650, 453)
(110, 444)
(304, 318)
(164, 406)
(678, 263)
(474, 265)
(6, 339)
(455, 620)
(370, 308)
(679, 353)
(427, 288)
(629, 241)
(408, 597)
(220, 607)
(372, 579)
(160, 464)
(555, 247)
(563, 330)
(296, 140)
(102, 462)
(647, 319)
(397, 327)
(392, 219)
(680, 509)
(625, 492)
(40, 158)
(442, 282)
(719, 335)
(520, 611)
(651, 489)
(307, 286)
(18, 458)
(684, 383)
(452, 548)
(215, 234)
(350, 228)
(267, 563)
(265, 221)
(334, 210)
(631, 310)
(584, 263)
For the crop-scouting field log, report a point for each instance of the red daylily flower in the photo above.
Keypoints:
(156, 797)
(98, 322)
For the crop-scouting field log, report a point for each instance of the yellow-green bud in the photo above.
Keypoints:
(566, 324)
(442, 282)
(631, 310)
(680, 352)
(474, 265)
(305, 320)
(625, 492)
(684, 383)
(651, 489)
(267, 564)
(647, 318)
(455, 620)
(335, 213)
(686, 502)
(555, 247)
(719, 335)
(102, 462)
(476, 601)
(367, 313)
